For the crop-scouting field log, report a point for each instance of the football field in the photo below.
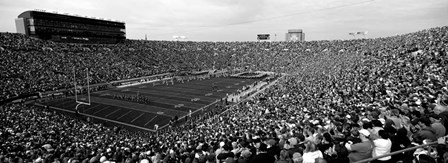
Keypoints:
(165, 101)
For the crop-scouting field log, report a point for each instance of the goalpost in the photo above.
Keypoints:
(79, 102)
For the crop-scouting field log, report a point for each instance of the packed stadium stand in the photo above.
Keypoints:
(70, 28)
(342, 101)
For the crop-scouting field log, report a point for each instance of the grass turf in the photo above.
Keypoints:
(163, 99)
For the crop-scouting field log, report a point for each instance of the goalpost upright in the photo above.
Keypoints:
(76, 93)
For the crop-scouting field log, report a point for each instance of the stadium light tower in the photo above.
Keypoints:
(363, 33)
(179, 38)
(176, 38)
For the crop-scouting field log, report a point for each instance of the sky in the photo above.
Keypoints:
(242, 20)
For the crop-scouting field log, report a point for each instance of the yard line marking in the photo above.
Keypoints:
(112, 112)
(206, 97)
(105, 119)
(137, 117)
(150, 120)
(185, 87)
(172, 94)
(167, 100)
(85, 110)
(137, 106)
(124, 114)
(200, 109)
(101, 109)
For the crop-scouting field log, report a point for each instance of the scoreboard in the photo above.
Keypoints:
(263, 37)
(295, 35)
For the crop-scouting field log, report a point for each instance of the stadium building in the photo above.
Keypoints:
(69, 28)
(295, 35)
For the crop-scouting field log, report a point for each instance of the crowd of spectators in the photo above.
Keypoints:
(342, 101)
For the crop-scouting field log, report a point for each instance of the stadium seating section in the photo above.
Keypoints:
(392, 90)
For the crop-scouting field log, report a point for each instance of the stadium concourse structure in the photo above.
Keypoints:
(146, 102)
(70, 28)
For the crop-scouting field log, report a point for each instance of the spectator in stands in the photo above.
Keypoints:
(362, 150)
(437, 125)
(311, 153)
(399, 141)
(284, 157)
(426, 132)
(382, 146)
(262, 155)
(297, 158)
(441, 109)
(226, 155)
